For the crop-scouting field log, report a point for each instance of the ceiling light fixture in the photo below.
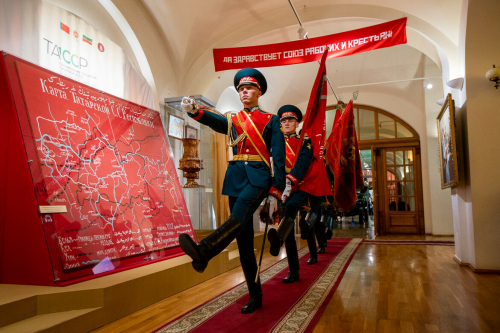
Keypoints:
(302, 33)
(494, 75)
(457, 83)
(427, 84)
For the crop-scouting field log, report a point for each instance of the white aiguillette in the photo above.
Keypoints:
(53, 209)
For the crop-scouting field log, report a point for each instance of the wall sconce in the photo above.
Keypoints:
(494, 75)
(456, 83)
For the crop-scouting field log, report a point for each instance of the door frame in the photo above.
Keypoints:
(380, 213)
(375, 145)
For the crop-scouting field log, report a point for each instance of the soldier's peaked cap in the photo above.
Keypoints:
(290, 111)
(250, 76)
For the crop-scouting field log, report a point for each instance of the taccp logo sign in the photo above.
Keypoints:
(65, 55)
(75, 34)
(100, 47)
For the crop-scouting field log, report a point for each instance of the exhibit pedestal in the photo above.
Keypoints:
(200, 207)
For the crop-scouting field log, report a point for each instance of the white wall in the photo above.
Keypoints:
(441, 207)
(152, 45)
(482, 50)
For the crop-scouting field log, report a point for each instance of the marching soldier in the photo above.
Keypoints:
(256, 172)
(321, 228)
(290, 118)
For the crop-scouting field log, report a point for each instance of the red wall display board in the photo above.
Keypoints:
(88, 184)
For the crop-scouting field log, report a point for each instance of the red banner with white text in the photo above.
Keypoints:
(289, 53)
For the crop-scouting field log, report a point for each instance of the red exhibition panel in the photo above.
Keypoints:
(108, 162)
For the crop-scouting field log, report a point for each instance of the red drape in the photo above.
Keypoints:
(315, 180)
(344, 159)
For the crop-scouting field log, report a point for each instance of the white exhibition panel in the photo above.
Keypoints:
(62, 42)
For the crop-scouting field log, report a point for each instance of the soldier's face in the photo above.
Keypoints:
(289, 125)
(249, 95)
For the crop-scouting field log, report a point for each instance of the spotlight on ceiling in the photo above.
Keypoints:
(429, 85)
(302, 33)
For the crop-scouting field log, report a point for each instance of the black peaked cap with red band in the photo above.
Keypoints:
(290, 111)
(252, 77)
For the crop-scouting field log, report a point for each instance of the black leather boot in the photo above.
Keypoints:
(254, 289)
(293, 262)
(320, 234)
(311, 243)
(304, 229)
(276, 237)
(210, 246)
(307, 224)
(329, 232)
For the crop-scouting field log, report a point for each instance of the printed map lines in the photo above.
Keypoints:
(86, 155)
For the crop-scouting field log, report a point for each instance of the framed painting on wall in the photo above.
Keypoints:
(191, 132)
(447, 144)
(175, 127)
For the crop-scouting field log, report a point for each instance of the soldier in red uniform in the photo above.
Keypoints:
(290, 117)
(256, 172)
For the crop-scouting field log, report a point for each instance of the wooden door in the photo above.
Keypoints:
(399, 191)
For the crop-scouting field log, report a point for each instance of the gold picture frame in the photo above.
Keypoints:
(448, 166)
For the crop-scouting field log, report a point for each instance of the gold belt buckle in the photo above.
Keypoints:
(245, 157)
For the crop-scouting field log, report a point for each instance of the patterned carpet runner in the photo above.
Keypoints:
(292, 307)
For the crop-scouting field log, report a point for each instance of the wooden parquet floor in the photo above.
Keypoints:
(412, 288)
(387, 288)
(345, 229)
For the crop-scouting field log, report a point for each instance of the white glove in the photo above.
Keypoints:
(188, 104)
(273, 205)
(287, 191)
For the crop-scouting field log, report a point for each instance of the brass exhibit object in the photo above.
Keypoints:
(191, 163)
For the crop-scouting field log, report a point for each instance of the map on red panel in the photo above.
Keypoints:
(108, 161)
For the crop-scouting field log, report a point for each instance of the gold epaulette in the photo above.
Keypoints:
(241, 137)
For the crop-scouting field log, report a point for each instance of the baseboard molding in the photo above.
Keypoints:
(439, 235)
(475, 270)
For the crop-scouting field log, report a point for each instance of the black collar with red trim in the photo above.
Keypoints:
(253, 108)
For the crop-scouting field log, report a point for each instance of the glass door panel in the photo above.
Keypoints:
(400, 182)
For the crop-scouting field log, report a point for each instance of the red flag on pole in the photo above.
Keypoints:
(315, 180)
(343, 157)
(329, 141)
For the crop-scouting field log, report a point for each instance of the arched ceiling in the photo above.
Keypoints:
(190, 29)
